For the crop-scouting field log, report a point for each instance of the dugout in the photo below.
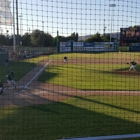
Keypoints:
(3, 55)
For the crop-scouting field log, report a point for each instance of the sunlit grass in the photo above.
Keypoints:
(102, 55)
(91, 77)
(80, 116)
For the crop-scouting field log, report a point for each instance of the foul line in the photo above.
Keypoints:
(38, 73)
(86, 91)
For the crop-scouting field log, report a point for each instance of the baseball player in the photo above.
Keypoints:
(1, 86)
(65, 59)
(6, 62)
(133, 66)
(10, 78)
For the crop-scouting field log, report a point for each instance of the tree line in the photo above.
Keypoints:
(36, 39)
(39, 38)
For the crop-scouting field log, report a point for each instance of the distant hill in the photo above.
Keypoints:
(115, 35)
(82, 38)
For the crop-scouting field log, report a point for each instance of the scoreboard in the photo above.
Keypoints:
(128, 36)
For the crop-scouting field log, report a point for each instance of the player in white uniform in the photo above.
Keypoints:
(133, 66)
(1, 86)
(65, 59)
(10, 80)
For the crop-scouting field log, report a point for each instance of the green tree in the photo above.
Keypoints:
(94, 38)
(61, 39)
(36, 38)
(76, 37)
(26, 39)
(48, 40)
(106, 38)
(3, 40)
(55, 41)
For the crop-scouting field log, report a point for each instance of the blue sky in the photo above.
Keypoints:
(83, 16)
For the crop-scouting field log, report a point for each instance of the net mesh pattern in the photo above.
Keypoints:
(69, 68)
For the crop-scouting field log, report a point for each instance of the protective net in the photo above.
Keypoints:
(69, 69)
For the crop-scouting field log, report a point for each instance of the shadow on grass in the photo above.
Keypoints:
(71, 120)
(109, 105)
(44, 109)
(57, 93)
(19, 68)
(47, 76)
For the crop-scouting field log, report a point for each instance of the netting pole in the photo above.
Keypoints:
(14, 49)
(17, 23)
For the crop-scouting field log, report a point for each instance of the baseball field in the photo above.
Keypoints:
(105, 71)
(92, 94)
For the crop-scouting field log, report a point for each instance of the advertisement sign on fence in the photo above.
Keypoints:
(65, 44)
(88, 44)
(65, 49)
(77, 44)
(88, 49)
(134, 47)
(78, 48)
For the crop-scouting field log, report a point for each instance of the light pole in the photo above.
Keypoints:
(20, 30)
(14, 38)
(7, 37)
(17, 23)
(111, 5)
(104, 30)
(43, 33)
(118, 36)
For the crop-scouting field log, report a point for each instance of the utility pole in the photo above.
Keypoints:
(104, 29)
(43, 33)
(17, 23)
(20, 30)
(14, 39)
(112, 6)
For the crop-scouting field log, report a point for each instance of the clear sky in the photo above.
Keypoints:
(83, 16)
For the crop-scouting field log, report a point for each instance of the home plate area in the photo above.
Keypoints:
(13, 90)
(23, 97)
(21, 90)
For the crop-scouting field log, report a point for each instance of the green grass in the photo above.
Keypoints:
(91, 77)
(20, 67)
(101, 55)
(36, 59)
(79, 116)
(96, 77)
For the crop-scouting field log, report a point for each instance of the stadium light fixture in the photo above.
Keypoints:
(43, 33)
(111, 6)
(14, 39)
(20, 30)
